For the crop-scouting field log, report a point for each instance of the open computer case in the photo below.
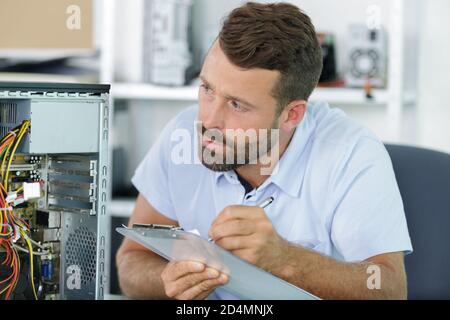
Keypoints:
(53, 190)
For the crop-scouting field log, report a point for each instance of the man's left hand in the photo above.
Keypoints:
(247, 232)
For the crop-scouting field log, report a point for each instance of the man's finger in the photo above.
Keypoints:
(235, 243)
(176, 270)
(203, 289)
(238, 212)
(186, 282)
(238, 227)
(194, 279)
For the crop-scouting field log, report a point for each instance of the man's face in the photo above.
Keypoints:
(231, 98)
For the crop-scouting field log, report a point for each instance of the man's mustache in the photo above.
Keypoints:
(214, 135)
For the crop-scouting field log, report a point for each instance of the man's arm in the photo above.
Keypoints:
(145, 275)
(332, 279)
(247, 232)
(139, 269)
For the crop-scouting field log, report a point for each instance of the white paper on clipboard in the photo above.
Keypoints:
(245, 280)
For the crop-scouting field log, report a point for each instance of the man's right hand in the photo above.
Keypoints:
(189, 280)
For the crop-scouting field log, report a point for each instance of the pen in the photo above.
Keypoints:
(263, 204)
(266, 202)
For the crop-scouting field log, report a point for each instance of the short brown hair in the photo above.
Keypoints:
(275, 36)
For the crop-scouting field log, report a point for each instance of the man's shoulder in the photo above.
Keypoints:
(341, 143)
(185, 119)
(181, 125)
(333, 128)
(180, 144)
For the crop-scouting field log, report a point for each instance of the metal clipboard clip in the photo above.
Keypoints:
(154, 226)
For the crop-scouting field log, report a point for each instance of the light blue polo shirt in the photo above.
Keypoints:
(335, 190)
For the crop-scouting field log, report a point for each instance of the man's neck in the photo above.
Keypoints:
(252, 172)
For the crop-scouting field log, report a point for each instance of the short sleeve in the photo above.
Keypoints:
(151, 177)
(369, 218)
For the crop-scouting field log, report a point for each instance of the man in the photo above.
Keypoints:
(336, 226)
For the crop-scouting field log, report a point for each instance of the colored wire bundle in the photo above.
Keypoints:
(12, 228)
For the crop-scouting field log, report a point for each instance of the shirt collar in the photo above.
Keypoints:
(290, 170)
(231, 176)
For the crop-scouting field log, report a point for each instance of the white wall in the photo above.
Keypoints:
(434, 76)
(128, 48)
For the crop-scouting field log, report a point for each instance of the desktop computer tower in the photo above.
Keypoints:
(53, 191)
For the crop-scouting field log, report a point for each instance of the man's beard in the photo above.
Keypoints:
(243, 154)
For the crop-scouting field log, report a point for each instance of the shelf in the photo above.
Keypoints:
(189, 93)
(45, 77)
(148, 91)
(122, 207)
(45, 54)
(349, 96)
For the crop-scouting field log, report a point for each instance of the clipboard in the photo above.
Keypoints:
(246, 280)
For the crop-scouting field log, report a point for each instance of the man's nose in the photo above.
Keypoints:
(214, 116)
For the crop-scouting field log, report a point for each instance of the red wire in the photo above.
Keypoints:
(12, 257)
(15, 272)
(8, 254)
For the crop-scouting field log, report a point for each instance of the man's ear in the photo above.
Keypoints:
(292, 114)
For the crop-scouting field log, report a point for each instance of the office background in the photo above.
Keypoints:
(411, 105)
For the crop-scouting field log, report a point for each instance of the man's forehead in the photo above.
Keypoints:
(218, 71)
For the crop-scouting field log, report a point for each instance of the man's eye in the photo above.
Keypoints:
(206, 88)
(236, 105)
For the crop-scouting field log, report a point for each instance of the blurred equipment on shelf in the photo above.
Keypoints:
(326, 41)
(167, 55)
(366, 54)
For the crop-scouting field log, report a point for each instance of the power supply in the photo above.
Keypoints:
(367, 57)
(53, 190)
